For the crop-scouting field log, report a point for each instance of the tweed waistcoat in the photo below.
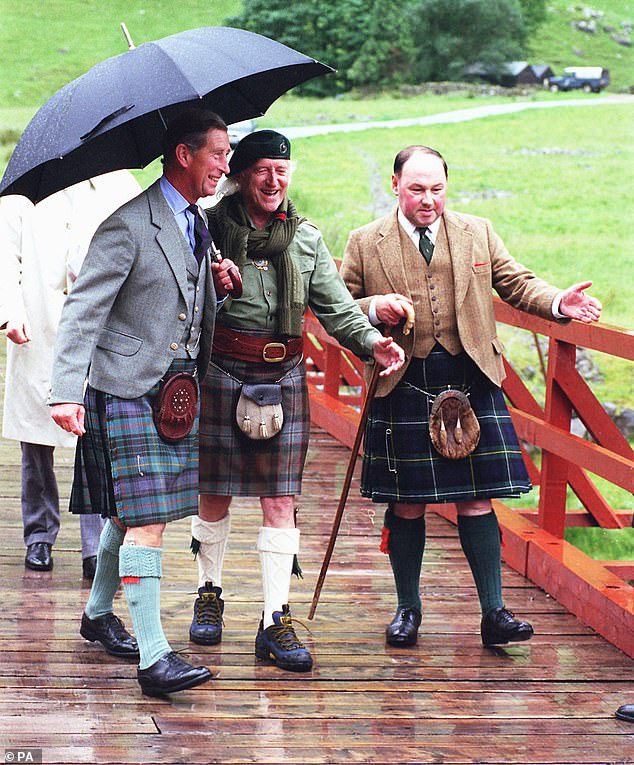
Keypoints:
(432, 290)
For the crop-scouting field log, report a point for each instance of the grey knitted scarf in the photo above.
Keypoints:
(232, 232)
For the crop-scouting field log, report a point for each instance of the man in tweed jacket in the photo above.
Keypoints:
(142, 308)
(444, 265)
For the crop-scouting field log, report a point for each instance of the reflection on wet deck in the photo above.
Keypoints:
(447, 700)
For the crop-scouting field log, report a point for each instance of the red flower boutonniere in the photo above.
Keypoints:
(281, 216)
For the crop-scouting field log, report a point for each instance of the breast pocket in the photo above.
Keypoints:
(481, 268)
(119, 342)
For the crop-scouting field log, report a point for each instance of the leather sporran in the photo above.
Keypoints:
(259, 411)
(175, 407)
(453, 427)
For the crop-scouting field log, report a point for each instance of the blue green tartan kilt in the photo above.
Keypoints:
(233, 465)
(401, 465)
(122, 466)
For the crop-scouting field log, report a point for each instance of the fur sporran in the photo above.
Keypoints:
(453, 427)
(259, 411)
(175, 407)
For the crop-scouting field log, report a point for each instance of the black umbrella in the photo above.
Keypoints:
(114, 116)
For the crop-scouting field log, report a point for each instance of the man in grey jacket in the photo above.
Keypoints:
(142, 309)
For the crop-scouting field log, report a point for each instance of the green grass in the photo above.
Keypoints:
(47, 43)
(603, 544)
(556, 43)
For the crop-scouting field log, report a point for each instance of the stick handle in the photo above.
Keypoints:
(346, 488)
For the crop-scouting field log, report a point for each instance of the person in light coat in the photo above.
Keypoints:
(42, 248)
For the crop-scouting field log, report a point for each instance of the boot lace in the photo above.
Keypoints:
(284, 634)
(207, 609)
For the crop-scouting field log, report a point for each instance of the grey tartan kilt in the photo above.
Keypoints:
(231, 464)
(401, 465)
(123, 468)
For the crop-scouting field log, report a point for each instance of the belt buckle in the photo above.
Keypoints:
(274, 346)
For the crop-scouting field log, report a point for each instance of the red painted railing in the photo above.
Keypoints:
(533, 540)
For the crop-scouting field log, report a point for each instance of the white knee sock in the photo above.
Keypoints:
(277, 548)
(213, 536)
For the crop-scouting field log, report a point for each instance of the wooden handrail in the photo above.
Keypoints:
(534, 540)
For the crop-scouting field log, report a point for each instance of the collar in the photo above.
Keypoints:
(410, 228)
(175, 200)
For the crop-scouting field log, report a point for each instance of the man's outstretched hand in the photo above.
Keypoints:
(575, 304)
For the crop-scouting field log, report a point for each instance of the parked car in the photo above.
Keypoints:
(591, 79)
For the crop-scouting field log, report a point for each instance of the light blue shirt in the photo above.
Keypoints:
(178, 205)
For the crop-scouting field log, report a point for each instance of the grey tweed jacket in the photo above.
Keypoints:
(126, 314)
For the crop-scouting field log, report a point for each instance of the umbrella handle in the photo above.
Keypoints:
(234, 273)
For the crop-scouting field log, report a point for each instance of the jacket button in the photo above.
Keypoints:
(174, 346)
(182, 316)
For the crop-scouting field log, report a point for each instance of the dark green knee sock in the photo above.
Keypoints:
(480, 540)
(406, 545)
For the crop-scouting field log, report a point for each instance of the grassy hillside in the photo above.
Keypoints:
(560, 45)
(46, 43)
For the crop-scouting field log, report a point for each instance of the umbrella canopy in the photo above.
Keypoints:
(114, 116)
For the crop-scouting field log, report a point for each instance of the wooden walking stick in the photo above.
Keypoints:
(346, 486)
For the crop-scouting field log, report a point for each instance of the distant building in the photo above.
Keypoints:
(542, 72)
(510, 74)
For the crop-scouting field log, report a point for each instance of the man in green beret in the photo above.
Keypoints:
(254, 401)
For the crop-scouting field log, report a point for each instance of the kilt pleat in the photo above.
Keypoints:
(401, 465)
(231, 464)
(129, 470)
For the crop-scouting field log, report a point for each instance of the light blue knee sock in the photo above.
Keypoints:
(106, 582)
(140, 570)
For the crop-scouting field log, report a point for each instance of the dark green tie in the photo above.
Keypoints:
(424, 244)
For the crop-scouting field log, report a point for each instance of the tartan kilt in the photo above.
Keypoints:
(124, 469)
(231, 463)
(401, 465)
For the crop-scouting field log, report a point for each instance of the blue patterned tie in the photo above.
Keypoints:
(425, 245)
(202, 237)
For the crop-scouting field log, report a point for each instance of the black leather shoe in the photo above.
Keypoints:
(402, 631)
(38, 556)
(626, 712)
(170, 674)
(206, 626)
(89, 567)
(500, 626)
(113, 636)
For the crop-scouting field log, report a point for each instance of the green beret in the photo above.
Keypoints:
(262, 144)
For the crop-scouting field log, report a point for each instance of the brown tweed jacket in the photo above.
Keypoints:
(374, 263)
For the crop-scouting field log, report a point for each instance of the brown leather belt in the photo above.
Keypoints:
(255, 348)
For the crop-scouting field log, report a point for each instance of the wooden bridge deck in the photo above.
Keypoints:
(448, 700)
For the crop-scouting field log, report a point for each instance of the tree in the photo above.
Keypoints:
(533, 13)
(332, 31)
(388, 51)
(451, 34)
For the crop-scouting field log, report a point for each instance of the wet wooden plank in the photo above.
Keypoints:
(448, 700)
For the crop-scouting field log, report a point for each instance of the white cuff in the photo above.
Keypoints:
(555, 307)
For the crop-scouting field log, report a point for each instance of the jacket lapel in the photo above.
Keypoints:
(460, 245)
(168, 236)
(390, 255)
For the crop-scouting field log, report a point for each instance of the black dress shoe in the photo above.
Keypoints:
(499, 626)
(626, 712)
(402, 631)
(38, 556)
(89, 567)
(110, 632)
(206, 626)
(169, 674)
